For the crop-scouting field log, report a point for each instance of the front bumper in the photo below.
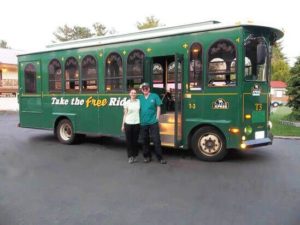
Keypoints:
(259, 142)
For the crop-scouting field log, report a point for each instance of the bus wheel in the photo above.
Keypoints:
(65, 132)
(209, 144)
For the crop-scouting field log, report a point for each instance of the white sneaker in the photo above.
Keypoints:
(130, 160)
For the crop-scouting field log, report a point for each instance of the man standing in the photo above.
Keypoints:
(149, 117)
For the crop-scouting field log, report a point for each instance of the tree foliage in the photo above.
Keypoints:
(280, 68)
(100, 29)
(3, 44)
(150, 22)
(66, 33)
(294, 90)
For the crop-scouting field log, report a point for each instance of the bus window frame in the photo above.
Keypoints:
(120, 78)
(62, 77)
(125, 75)
(72, 90)
(234, 59)
(90, 91)
(201, 88)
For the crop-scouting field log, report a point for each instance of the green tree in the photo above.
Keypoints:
(100, 29)
(296, 68)
(64, 33)
(67, 33)
(3, 44)
(294, 90)
(81, 32)
(280, 67)
(150, 22)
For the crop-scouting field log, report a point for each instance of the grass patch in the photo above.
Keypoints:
(279, 129)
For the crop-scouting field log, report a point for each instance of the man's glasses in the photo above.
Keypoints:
(145, 88)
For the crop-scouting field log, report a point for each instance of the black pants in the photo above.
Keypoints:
(153, 131)
(132, 132)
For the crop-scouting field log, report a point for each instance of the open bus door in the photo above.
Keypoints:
(164, 73)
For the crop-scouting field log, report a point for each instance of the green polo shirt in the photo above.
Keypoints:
(148, 108)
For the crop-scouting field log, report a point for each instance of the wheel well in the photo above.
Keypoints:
(192, 132)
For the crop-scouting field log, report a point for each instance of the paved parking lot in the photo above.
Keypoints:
(44, 182)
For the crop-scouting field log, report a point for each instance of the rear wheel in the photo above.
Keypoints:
(65, 132)
(209, 144)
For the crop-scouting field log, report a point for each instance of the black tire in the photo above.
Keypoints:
(209, 144)
(65, 132)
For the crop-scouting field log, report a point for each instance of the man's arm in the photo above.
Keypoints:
(157, 112)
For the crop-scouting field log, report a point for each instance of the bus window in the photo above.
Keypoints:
(171, 75)
(89, 74)
(55, 76)
(248, 67)
(256, 56)
(222, 64)
(195, 78)
(114, 73)
(135, 68)
(158, 75)
(30, 79)
(71, 75)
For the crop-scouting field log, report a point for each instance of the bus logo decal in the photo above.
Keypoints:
(220, 104)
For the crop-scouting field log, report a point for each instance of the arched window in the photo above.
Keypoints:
(55, 76)
(222, 64)
(71, 75)
(171, 72)
(135, 69)
(158, 75)
(89, 74)
(113, 73)
(30, 79)
(195, 78)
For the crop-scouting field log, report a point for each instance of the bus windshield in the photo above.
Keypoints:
(256, 59)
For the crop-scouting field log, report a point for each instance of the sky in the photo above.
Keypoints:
(28, 25)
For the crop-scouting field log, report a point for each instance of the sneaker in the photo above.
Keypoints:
(162, 161)
(135, 159)
(147, 160)
(130, 160)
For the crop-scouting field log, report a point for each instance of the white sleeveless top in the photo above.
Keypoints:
(133, 111)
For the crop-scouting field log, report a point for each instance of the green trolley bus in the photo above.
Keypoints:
(214, 81)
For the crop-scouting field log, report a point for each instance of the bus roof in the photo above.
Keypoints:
(151, 33)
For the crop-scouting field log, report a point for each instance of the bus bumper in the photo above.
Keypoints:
(259, 142)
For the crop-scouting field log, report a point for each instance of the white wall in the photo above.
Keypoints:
(9, 104)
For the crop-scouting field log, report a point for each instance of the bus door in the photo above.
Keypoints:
(165, 77)
(256, 102)
(30, 94)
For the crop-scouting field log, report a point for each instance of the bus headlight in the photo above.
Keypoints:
(248, 130)
(270, 125)
(243, 146)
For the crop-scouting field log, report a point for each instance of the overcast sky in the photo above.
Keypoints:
(29, 24)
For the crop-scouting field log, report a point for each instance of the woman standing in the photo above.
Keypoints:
(131, 125)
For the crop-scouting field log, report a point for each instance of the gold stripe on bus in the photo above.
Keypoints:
(212, 94)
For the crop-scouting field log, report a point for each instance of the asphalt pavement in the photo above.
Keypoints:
(43, 182)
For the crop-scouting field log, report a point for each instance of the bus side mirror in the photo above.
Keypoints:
(261, 51)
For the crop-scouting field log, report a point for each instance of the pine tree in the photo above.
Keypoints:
(280, 67)
(294, 90)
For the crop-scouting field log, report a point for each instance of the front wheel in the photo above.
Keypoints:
(65, 132)
(209, 144)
